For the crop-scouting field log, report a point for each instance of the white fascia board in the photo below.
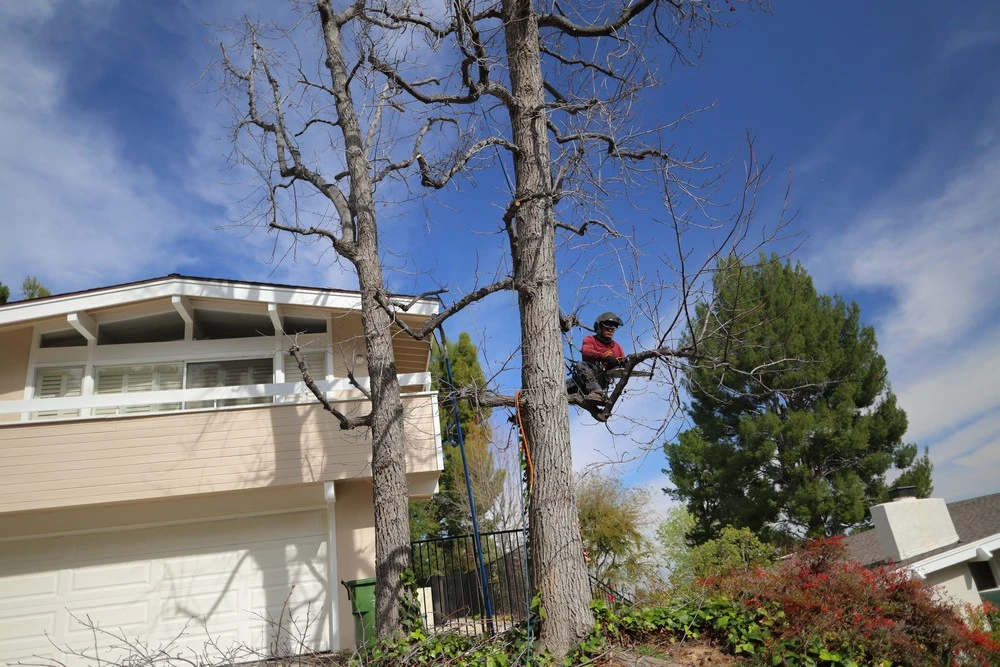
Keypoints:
(192, 288)
(960, 554)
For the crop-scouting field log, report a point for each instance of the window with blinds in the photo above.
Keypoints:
(130, 379)
(315, 364)
(108, 380)
(229, 374)
(57, 383)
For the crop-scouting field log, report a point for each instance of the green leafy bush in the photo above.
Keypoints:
(735, 550)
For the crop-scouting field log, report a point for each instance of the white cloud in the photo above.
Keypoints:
(969, 440)
(77, 212)
(629, 441)
(952, 386)
(930, 242)
(937, 254)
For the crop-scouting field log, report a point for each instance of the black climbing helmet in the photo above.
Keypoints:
(604, 318)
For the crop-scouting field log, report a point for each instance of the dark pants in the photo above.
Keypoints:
(589, 377)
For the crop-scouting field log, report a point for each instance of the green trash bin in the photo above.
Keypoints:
(362, 595)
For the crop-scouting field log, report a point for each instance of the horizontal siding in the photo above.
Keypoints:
(123, 459)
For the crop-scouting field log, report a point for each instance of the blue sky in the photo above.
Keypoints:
(113, 167)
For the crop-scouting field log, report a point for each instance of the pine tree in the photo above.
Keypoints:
(795, 433)
(32, 289)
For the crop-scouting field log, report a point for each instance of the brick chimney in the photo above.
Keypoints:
(909, 526)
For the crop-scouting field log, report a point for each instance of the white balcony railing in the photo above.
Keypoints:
(285, 392)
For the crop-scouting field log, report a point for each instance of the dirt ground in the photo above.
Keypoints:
(686, 654)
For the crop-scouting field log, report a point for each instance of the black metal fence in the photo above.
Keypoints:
(449, 584)
(450, 588)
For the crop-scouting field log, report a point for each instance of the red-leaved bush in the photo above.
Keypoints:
(833, 605)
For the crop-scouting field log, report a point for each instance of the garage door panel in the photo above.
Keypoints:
(42, 587)
(206, 606)
(131, 618)
(15, 631)
(220, 578)
(116, 577)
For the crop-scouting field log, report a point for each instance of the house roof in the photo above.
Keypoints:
(974, 519)
(177, 285)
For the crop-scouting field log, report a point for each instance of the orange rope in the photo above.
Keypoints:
(524, 441)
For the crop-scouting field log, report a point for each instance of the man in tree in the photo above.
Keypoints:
(795, 431)
(600, 353)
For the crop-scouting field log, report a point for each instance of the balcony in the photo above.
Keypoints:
(98, 449)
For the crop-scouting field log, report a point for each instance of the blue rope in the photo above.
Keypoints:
(468, 488)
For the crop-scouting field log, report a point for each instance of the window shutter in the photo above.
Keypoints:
(57, 383)
(133, 379)
(315, 364)
(233, 373)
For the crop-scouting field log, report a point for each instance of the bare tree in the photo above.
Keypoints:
(548, 90)
(553, 85)
(290, 129)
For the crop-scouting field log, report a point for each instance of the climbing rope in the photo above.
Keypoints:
(524, 442)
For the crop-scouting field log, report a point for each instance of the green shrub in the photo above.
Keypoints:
(735, 550)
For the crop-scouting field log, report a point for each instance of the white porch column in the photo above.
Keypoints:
(333, 576)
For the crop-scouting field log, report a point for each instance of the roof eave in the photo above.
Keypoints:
(962, 553)
(61, 305)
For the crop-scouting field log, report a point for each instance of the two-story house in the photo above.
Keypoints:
(165, 472)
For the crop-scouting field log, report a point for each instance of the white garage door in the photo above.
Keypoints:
(228, 580)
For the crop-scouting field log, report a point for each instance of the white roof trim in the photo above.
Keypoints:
(61, 306)
(960, 554)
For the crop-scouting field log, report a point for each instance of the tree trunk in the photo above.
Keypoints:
(390, 494)
(559, 571)
(392, 520)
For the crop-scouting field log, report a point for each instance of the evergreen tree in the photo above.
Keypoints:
(796, 432)
(32, 289)
(449, 513)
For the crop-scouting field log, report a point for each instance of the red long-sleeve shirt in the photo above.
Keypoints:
(594, 350)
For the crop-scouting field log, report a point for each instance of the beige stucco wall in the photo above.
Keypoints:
(355, 546)
(95, 461)
(159, 512)
(15, 348)
(955, 584)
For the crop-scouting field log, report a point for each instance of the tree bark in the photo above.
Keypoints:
(390, 496)
(559, 571)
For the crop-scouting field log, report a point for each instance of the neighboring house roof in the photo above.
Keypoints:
(975, 519)
(194, 286)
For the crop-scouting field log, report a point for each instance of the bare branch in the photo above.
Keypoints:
(582, 229)
(346, 422)
(439, 319)
(560, 22)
